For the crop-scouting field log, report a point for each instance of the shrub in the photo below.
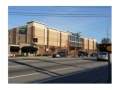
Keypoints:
(38, 55)
(45, 54)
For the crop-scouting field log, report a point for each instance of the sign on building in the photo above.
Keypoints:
(23, 31)
(75, 34)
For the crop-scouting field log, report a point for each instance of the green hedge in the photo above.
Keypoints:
(17, 56)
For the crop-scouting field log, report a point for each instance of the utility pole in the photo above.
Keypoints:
(107, 32)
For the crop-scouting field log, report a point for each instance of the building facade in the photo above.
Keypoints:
(89, 45)
(49, 40)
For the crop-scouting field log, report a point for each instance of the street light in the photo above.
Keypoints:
(47, 50)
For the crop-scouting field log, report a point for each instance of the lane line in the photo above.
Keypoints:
(23, 75)
(16, 66)
(38, 73)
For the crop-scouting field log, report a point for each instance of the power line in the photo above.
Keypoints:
(53, 13)
(56, 10)
(82, 20)
(61, 15)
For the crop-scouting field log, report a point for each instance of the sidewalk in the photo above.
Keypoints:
(37, 57)
(32, 57)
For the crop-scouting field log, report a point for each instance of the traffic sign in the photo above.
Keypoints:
(108, 48)
(105, 48)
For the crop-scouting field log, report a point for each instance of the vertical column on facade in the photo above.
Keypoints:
(44, 40)
(68, 43)
(8, 49)
(47, 38)
(20, 52)
(83, 46)
(27, 34)
(93, 45)
(60, 40)
(88, 46)
(14, 36)
(32, 32)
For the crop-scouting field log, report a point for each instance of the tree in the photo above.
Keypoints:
(32, 44)
(52, 49)
(105, 41)
(97, 46)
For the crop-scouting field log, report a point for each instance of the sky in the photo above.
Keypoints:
(90, 21)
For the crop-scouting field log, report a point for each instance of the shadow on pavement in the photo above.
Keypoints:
(44, 71)
(90, 76)
(94, 59)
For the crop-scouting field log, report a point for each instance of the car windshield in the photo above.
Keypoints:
(103, 53)
(81, 52)
(58, 52)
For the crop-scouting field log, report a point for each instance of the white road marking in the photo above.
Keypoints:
(62, 69)
(23, 75)
(88, 65)
(39, 73)
(16, 66)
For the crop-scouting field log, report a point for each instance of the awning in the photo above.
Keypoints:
(14, 48)
(29, 48)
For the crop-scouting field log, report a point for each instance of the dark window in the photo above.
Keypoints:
(18, 38)
(79, 40)
(9, 39)
(35, 40)
(70, 38)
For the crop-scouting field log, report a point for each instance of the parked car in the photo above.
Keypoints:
(93, 55)
(82, 54)
(60, 54)
(102, 56)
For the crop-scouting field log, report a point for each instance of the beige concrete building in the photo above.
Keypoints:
(89, 45)
(49, 40)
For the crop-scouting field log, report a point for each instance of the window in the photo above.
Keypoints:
(73, 38)
(18, 38)
(72, 43)
(70, 38)
(9, 39)
(35, 40)
(76, 44)
(77, 39)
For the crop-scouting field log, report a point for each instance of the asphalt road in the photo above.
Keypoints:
(56, 70)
